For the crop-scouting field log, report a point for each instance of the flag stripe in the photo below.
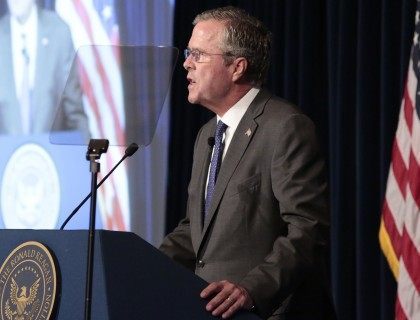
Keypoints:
(83, 15)
(395, 201)
(408, 110)
(399, 168)
(391, 229)
(414, 179)
(411, 258)
(399, 312)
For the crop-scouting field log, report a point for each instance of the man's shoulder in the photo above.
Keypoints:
(272, 108)
(51, 19)
(281, 105)
(279, 117)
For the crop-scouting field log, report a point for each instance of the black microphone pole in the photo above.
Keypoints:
(95, 149)
(131, 149)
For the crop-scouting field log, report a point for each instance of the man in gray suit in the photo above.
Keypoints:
(36, 54)
(256, 226)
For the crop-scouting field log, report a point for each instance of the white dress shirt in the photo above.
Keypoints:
(234, 115)
(24, 36)
(232, 118)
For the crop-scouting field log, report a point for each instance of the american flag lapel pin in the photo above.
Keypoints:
(248, 132)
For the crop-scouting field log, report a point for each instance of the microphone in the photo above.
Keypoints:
(211, 141)
(131, 149)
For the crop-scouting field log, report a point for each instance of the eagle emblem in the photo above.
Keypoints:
(28, 286)
(20, 300)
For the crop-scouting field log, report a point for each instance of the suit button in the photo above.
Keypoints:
(200, 263)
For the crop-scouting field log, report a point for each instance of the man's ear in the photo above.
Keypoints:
(240, 65)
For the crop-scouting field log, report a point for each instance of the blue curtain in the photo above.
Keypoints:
(148, 23)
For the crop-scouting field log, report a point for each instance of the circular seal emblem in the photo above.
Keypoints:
(28, 283)
(30, 192)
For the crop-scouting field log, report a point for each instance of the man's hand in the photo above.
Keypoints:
(227, 299)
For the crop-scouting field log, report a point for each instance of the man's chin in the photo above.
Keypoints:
(192, 99)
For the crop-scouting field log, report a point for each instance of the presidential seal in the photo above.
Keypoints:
(28, 283)
(30, 191)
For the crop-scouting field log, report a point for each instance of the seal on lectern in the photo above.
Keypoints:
(28, 283)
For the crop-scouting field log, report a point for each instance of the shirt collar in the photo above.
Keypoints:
(234, 115)
(28, 26)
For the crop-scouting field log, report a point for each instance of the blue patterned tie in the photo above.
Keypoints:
(216, 160)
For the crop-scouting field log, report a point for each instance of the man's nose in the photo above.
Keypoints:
(188, 63)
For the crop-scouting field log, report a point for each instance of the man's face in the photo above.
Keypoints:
(210, 79)
(20, 8)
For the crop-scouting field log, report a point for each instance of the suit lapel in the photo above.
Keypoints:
(7, 74)
(239, 143)
(12, 119)
(203, 161)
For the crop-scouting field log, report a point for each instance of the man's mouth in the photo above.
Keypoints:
(191, 82)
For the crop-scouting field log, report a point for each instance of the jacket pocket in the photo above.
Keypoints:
(248, 184)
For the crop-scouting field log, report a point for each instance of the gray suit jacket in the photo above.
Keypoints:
(267, 228)
(55, 54)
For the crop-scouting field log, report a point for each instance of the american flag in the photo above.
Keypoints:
(399, 233)
(95, 34)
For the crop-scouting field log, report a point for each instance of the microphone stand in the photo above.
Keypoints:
(95, 149)
(131, 149)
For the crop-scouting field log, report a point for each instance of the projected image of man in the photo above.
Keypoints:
(36, 55)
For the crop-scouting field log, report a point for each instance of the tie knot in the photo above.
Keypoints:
(220, 128)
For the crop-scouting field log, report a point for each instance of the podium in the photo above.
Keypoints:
(131, 278)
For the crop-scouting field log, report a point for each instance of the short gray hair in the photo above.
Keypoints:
(245, 36)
